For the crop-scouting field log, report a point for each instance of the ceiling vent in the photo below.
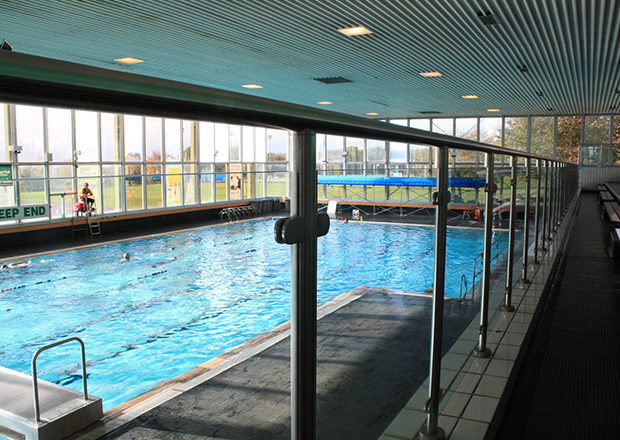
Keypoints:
(430, 112)
(488, 19)
(333, 80)
(523, 69)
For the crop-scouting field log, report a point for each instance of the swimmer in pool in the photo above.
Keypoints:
(164, 262)
(126, 257)
(16, 264)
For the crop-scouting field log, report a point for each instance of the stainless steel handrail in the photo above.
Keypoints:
(35, 385)
(464, 280)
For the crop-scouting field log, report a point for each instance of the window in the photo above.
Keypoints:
(87, 136)
(206, 133)
(110, 138)
(173, 139)
(29, 121)
(515, 133)
(375, 151)
(60, 134)
(277, 145)
(543, 133)
(569, 138)
(134, 138)
(355, 150)
(154, 139)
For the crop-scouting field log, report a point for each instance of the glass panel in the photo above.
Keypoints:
(420, 124)
(60, 134)
(134, 139)
(260, 180)
(206, 183)
(154, 139)
(111, 184)
(443, 126)
(133, 187)
(276, 180)
(261, 144)
(189, 141)
(515, 133)
(542, 136)
(31, 191)
(206, 141)
(173, 185)
(29, 122)
(616, 139)
(569, 138)
(89, 173)
(221, 180)
(375, 150)
(277, 143)
(173, 139)
(110, 136)
(467, 128)
(86, 136)
(154, 188)
(491, 131)
(355, 149)
(235, 143)
(597, 130)
(189, 184)
(419, 153)
(398, 152)
(401, 122)
(61, 182)
(4, 142)
(334, 148)
(248, 144)
(248, 182)
(221, 142)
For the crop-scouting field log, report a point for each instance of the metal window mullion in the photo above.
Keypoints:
(511, 234)
(537, 212)
(526, 217)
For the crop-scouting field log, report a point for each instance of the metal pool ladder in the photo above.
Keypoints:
(41, 410)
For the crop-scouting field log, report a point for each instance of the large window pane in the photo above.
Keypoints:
(375, 150)
(355, 149)
(443, 126)
(189, 141)
(420, 124)
(60, 134)
(260, 135)
(277, 144)
(61, 183)
(173, 139)
(189, 184)
(221, 182)
(597, 130)
(154, 139)
(110, 138)
(276, 180)
(569, 138)
(222, 138)
(491, 131)
(173, 185)
(515, 133)
(111, 185)
(29, 122)
(466, 128)
(334, 148)
(4, 142)
(154, 195)
(31, 186)
(398, 152)
(419, 153)
(134, 138)
(248, 144)
(86, 136)
(542, 135)
(235, 143)
(133, 187)
(206, 183)
(206, 130)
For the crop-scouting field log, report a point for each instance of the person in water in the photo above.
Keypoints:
(16, 264)
(126, 257)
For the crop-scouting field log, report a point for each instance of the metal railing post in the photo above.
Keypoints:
(303, 289)
(508, 307)
(551, 202)
(481, 350)
(545, 207)
(526, 218)
(537, 214)
(431, 431)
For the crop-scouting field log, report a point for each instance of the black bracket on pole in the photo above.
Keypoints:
(290, 230)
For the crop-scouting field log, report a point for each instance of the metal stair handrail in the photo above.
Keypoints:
(35, 385)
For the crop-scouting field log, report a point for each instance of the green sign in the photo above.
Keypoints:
(6, 176)
(24, 212)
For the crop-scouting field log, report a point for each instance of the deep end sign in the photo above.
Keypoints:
(24, 212)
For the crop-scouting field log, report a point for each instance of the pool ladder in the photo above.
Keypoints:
(463, 294)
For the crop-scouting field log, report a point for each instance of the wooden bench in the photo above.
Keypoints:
(613, 211)
(606, 196)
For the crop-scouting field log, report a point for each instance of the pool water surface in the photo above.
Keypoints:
(185, 298)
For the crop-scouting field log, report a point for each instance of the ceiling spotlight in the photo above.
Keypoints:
(252, 86)
(549, 109)
(470, 96)
(359, 30)
(325, 102)
(492, 109)
(128, 60)
(5, 46)
(430, 74)
(488, 19)
(523, 69)
(540, 94)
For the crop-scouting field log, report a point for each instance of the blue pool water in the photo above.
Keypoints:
(183, 299)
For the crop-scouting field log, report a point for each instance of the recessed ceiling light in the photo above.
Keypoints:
(430, 74)
(252, 86)
(492, 109)
(129, 60)
(470, 96)
(372, 114)
(359, 30)
(324, 102)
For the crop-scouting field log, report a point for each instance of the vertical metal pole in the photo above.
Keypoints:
(537, 214)
(508, 307)
(303, 271)
(526, 218)
(551, 201)
(442, 197)
(482, 350)
(545, 207)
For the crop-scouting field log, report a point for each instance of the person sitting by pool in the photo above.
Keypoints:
(87, 197)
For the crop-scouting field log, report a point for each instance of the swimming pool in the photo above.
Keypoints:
(182, 299)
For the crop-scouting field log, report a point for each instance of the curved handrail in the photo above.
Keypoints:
(463, 279)
(35, 385)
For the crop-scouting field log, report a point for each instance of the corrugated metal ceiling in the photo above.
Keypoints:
(571, 50)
